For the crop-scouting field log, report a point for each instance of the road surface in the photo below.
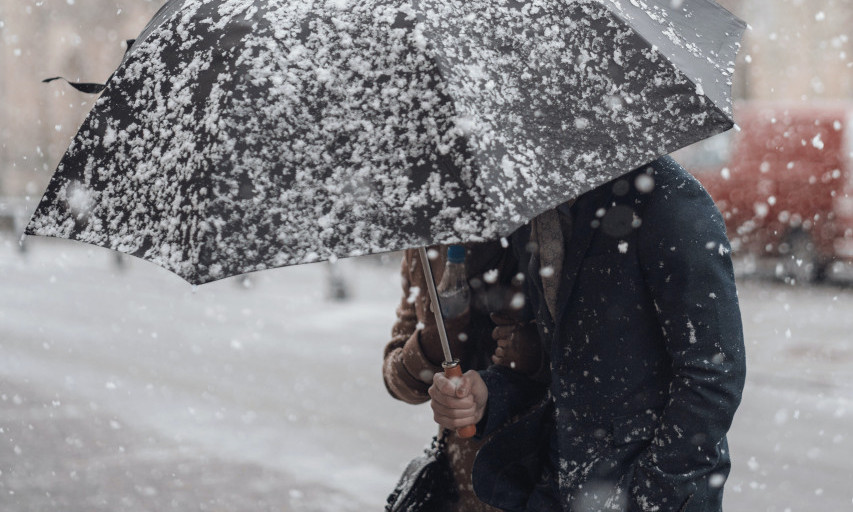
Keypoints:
(122, 388)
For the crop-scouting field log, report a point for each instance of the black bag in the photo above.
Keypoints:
(427, 484)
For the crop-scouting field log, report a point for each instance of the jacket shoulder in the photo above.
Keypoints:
(669, 178)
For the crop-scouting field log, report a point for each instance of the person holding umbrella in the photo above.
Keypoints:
(414, 353)
(632, 289)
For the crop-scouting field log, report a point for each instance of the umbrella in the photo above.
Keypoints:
(239, 135)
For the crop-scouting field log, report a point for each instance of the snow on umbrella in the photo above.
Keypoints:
(239, 135)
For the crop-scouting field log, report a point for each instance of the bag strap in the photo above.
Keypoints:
(439, 443)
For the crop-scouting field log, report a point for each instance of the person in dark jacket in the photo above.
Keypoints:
(633, 292)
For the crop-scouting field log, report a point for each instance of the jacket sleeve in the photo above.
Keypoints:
(511, 394)
(407, 370)
(685, 259)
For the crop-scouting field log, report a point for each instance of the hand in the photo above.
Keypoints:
(458, 402)
(518, 345)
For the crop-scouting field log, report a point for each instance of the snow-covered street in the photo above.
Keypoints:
(122, 388)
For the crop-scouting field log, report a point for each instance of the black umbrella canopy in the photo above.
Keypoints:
(239, 135)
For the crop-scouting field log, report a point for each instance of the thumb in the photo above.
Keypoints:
(463, 387)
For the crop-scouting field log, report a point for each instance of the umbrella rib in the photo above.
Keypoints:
(679, 54)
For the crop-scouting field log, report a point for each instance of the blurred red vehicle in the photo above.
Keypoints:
(784, 183)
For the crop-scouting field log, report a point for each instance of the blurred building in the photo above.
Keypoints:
(78, 39)
(797, 50)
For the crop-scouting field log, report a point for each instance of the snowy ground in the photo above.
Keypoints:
(122, 388)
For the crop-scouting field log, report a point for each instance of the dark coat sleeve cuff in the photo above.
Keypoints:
(510, 395)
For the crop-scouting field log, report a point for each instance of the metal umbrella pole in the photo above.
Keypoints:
(451, 366)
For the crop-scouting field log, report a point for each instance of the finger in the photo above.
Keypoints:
(459, 410)
(502, 332)
(452, 407)
(501, 319)
(497, 360)
(453, 418)
(444, 385)
(505, 348)
(500, 352)
(474, 384)
(463, 388)
(438, 396)
(456, 382)
(455, 423)
(448, 395)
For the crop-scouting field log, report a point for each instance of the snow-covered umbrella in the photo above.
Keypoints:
(239, 135)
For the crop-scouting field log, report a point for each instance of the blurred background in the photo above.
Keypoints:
(122, 388)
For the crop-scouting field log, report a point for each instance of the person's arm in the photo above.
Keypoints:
(414, 353)
(405, 367)
(685, 257)
(514, 388)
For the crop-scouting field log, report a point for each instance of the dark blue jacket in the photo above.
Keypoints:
(647, 357)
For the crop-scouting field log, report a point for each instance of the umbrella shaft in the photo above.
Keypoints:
(436, 308)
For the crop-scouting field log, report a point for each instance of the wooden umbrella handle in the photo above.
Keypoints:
(451, 370)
